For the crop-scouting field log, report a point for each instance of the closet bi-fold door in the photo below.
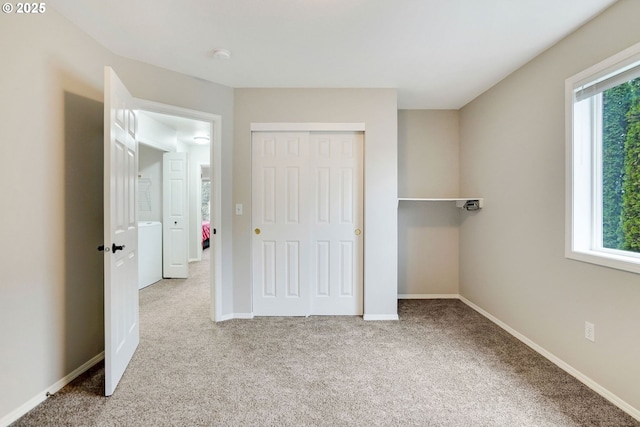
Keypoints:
(307, 209)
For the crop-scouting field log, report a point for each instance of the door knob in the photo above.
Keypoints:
(115, 248)
(358, 232)
(257, 231)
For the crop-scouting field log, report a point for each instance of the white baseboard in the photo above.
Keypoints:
(54, 388)
(428, 296)
(243, 316)
(380, 317)
(626, 407)
(365, 317)
(236, 316)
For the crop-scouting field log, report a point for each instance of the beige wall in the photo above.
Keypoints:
(51, 108)
(51, 315)
(512, 152)
(377, 108)
(428, 150)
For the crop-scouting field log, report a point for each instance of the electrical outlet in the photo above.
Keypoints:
(590, 331)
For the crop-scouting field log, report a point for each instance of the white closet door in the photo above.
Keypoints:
(280, 216)
(337, 223)
(307, 210)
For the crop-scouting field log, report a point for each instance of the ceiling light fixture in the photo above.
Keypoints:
(201, 139)
(222, 54)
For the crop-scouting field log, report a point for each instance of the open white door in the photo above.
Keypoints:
(175, 216)
(120, 230)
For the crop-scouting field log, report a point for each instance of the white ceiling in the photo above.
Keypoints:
(439, 54)
(186, 129)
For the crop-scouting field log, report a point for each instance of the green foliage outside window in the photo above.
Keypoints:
(620, 167)
(631, 187)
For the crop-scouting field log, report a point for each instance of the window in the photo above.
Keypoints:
(603, 163)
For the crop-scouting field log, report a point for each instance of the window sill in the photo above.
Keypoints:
(618, 262)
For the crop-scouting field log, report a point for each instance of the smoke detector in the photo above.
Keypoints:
(221, 54)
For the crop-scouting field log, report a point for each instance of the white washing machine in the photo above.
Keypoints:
(149, 253)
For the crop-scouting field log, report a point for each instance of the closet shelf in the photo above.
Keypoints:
(468, 203)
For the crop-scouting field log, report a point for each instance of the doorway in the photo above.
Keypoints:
(198, 134)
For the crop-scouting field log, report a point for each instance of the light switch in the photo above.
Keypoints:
(238, 208)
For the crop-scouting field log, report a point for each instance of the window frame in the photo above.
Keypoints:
(583, 180)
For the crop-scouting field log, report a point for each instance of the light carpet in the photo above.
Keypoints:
(441, 364)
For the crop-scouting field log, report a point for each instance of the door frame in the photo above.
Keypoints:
(310, 127)
(215, 160)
